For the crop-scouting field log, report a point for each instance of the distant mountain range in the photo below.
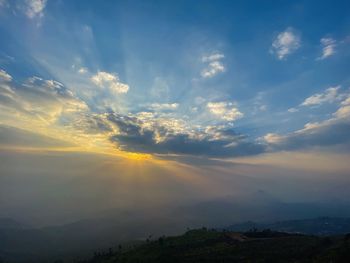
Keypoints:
(323, 226)
(19, 243)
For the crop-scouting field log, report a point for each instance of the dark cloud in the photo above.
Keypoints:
(133, 137)
(330, 133)
(91, 124)
(224, 141)
(126, 125)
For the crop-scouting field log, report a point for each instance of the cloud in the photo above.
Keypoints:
(273, 138)
(162, 124)
(346, 101)
(292, 110)
(82, 70)
(133, 136)
(109, 81)
(328, 96)
(214, 67)
(225, 110)
(285, 43)
(38, 90)
(92, 123)
(328, 47)
(213, 57)
(164, 106)
(312, 135)
(38, 99)
(344, 111)
(34, 8)
(334, 131)
(4, 76)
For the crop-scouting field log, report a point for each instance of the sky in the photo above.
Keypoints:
(122, 103)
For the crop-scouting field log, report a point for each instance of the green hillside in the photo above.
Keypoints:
(220, 246)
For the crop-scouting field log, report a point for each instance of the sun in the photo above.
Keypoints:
(138, 156)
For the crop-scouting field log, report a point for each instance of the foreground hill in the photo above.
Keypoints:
(222, 246)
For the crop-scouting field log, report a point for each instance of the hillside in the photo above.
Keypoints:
(221, 246)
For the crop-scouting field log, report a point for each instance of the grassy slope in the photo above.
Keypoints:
(214, 246)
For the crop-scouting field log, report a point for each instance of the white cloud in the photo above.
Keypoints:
(214, 66)
(4, 76)
(213, 57)
(109, 81)
(82, 70)
(273, 138)
(344, 111)
(328, 96)
(263, 107)
(34, 8)
(285, 43)
(346, 101)
(292, 110)
(328, 47)
(164, 106)
(225, 110)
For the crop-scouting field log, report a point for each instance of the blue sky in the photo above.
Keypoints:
(197, 72)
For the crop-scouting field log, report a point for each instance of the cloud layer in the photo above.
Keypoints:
(160, 128)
